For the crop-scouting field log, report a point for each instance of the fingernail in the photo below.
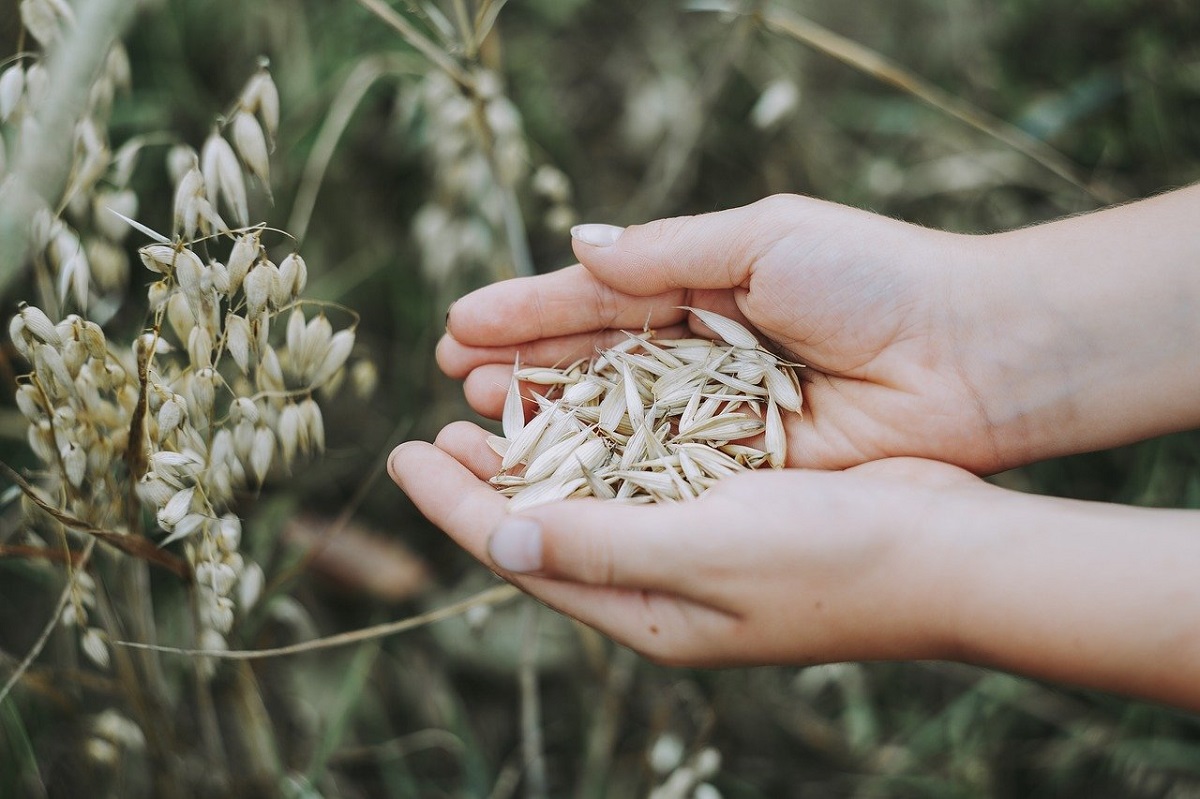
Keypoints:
(597, 235)
(516, 545)
(391, 461)
(449, 308)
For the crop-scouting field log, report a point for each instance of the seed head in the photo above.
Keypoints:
(176, 508)
(94, 646)
(294, 273)
(335, 356)
(223, 177)
(12, 89)
(158, 258)
(258, 289)
(39, 325)
(262, 452)
(262, 97)
(252, 145)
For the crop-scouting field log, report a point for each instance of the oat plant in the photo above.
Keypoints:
(147, 444)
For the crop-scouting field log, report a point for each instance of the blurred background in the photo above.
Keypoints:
(406, 191)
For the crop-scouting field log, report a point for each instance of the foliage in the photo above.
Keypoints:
(613, 111)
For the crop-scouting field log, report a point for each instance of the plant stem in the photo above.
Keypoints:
(533, 751)
(48, 630)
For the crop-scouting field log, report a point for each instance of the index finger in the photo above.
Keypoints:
(561, 303)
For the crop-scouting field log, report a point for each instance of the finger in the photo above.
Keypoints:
(664, 627)
(467, 443)
(448, 494)
(457, 359)
(599, 543)
(486, 388)
(710, 251)
(560, 303)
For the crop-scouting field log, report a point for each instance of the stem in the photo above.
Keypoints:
(135, 587)
(492, 596)
(152, 718)
(348, 99)
(603, 734)
(418, 40)
(48, 630)
(532, 747)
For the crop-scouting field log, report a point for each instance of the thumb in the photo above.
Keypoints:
(709, 251)
(591, 542)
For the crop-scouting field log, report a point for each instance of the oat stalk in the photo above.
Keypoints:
(64, 599)
(883, 69)
(492, 596)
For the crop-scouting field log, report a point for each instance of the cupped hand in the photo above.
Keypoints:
(788, 566)
(875, 308)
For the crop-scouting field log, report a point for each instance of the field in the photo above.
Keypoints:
(403, 191)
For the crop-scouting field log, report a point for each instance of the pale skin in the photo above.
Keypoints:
(932, 358)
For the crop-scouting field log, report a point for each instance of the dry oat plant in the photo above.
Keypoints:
(177, 356)
(145, 444)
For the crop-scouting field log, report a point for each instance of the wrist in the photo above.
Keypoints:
(962, 533)
(1009, 331)
(1086, 593)
(1079, 334)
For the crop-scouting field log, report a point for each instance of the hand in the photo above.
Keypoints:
(768, 567)
(982, 351)
(869, 304)
(896, 559)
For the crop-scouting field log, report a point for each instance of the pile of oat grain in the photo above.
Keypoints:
(649, 420)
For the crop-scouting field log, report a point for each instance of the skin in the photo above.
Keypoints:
(932, 357)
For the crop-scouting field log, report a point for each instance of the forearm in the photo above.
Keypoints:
(1091, 594)
(1086, 331)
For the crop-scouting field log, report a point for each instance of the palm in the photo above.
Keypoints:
(884, 375)
(864, 311)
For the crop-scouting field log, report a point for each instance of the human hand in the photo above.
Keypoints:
(871, 305)
(982, 351)
(895, 559)
(772, 566)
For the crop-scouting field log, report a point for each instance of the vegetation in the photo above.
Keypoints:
(424, 149)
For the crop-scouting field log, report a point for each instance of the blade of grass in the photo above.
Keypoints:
(466, 30)
(485, 18)
(360, 80)
(885, 70)
(532, 745)
(349, 694)
(602, 737)
(23, 773)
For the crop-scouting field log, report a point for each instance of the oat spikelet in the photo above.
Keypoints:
(647, 420)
